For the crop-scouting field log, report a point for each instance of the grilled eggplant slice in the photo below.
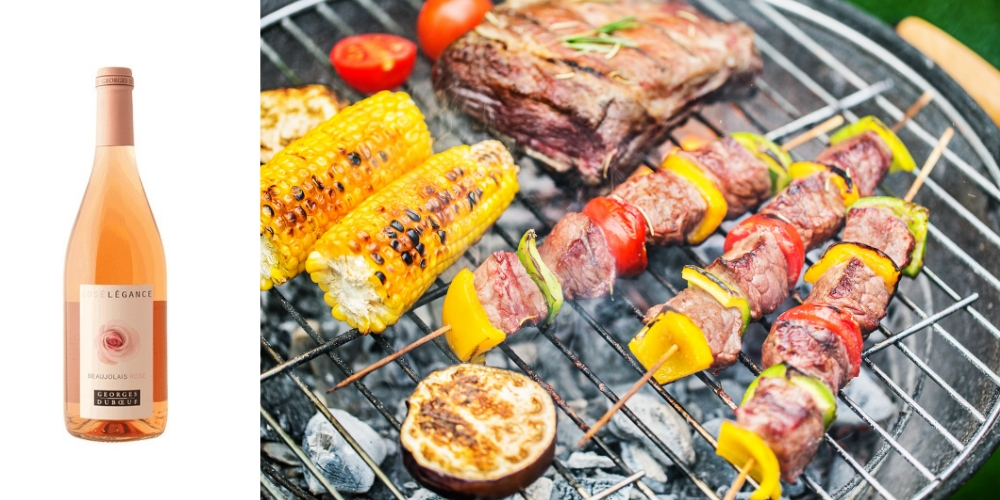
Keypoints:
(474, 431)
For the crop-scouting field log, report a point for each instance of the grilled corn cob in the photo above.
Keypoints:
(378, 260)
(318, 179)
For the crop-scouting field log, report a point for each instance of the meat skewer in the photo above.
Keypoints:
(511, 289)
(717, 313)
(813, 350)
(683, 201)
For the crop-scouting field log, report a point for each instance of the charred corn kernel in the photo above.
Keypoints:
(840, 253)
(318, 179)
(738, 445)
(667, 330)
(901, 158)
(777, 159)
(378, 260)
(471, 332)
(915, 217)
(719, 290)
(717, 206)
(848, 191)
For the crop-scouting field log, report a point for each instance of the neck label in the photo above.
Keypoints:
(116, 352)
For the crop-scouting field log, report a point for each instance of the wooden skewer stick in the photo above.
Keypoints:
(813, 133)
(924, 100)
(388, 359)
(631, 392)
(929, 164)
(738, 482)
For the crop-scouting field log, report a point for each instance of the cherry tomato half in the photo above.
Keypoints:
(373, 62)
(841, 323)
(788, 240)
(624, 229)
(443, 21)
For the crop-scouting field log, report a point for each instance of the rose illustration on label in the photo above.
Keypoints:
(116, 342)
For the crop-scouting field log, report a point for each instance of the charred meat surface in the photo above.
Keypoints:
(742, 177)
(809, 348)
(508, 294)
(721, 325)
(813, 205)
(865, 156)
(855, 288)
(582, 112)
(757, 267)
(578, 254)
(880, 228)
(671, 205)
(474, 431)
(787, 419)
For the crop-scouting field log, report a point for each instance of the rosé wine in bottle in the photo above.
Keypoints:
(115, 289)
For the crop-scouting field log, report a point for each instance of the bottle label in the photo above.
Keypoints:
(116, 352)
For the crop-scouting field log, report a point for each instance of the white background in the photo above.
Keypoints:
(196, 67)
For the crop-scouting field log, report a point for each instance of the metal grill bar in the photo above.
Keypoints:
(888, 107)
(300, 454)
(327, 347)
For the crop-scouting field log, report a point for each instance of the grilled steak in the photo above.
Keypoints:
(671, 205)
(742, 177)
(880, 228)
(507, 293)
(577, 253)
(865, 156)
(582, 112)
(721, 325)
(813, 205)
(810, 348)
(854, 287)
(756, 266)
(788, 420)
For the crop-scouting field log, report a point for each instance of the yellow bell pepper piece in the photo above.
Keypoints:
(877, 261)
(719, 290)
(717, 206)
(667, 330)
(471, 333)
(901, 158)
(738, 445)
(800, 169)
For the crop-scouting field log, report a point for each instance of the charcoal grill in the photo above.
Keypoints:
(939, 361)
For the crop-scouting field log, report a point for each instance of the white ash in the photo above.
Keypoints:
(637, 458)
(340, 464)
(539, 490)
(869, 395)
(281, 453)
(662, 421)
(588, 460)
(561, 490)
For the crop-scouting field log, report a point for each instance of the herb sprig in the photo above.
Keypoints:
(600, 39)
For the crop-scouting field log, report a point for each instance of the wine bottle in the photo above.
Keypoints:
(115, 289)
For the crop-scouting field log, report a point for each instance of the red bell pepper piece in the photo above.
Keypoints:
(624, 229)
(788, 240)
(833, 319)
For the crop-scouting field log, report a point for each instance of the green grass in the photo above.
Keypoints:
(975, 23)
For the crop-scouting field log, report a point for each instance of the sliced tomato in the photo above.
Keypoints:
(837, 321)
(375, 61)
(624, 229)
(788, 240)
(443, 21)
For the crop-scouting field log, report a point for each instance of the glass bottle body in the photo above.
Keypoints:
(115, 242)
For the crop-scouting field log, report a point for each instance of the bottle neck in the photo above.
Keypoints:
(114, 115)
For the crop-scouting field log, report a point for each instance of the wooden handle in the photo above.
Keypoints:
(972, 72)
